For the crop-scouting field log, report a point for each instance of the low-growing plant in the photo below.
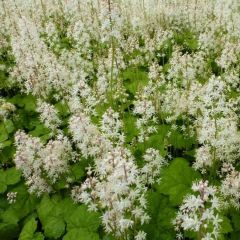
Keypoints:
(119, 119)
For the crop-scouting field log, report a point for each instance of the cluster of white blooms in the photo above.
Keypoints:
(37, 161)
(229, 54)
(6, 108)
(27, 160)
(111, 126)
(11, 197)
(37, 68)
(230, 185)
(111, 21)
(153, 164)
(114, 188)
(145, 109)
(55, 156)
(114, 185)
(140, 236)
(200, 213)
(87, 136)
(213, 125)
(186, 67)
(48, 115)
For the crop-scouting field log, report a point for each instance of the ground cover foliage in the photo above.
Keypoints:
(119, 119)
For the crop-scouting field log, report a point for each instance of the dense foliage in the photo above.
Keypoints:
(119, 119)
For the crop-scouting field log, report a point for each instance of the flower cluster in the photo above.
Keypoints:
(199, 213)
(145, 109)
(230, 185)
(111, 126)
(11, 197)
(154, 162)
(113, 187)
(37, 161)
(87, 136)
(48, 115)
(6, 108)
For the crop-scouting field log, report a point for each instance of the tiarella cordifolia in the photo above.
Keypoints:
(11, 197)
(48, 115)
(6, 108)
(113, 186)
(230, 184)
(40, 163)
(200, 213)
(81, 54)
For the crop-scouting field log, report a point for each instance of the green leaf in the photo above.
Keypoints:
(3, 203)
(28, 230)
(8, 177)
(35, 121)
(9, 126)
(3, 133)
(80, 234)
(235, 235)
(82, 218)
(7, 154)
(235, 216)
(60, 184)
(77, 171)
(7, 143)
(226, 226)
(26, 101)
(25, 203)
(8, 230)
(13, 176)
(44, 209)
(177, 180)
(67, 205)
(157, 140)
(130, 127)
(10, 216)
(178, 140)
(30, 103)
(3, 185)
(40, 130)
(9, 224)
(62, 109)
(134, 79)
(38, 236)
(162, 214)
(52, 212)
(54, 227)
(17, 100)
